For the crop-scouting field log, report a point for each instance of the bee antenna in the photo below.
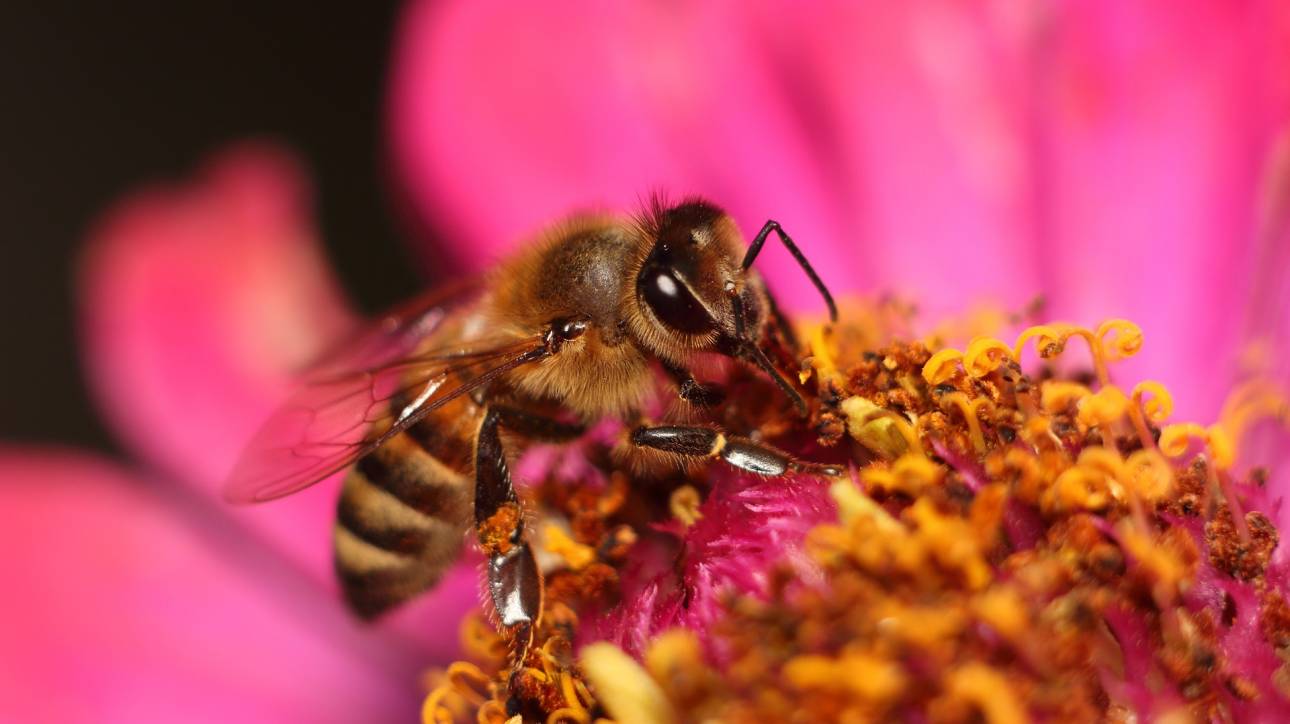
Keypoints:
(760, 240)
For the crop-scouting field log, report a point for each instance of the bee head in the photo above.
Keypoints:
(686, 280)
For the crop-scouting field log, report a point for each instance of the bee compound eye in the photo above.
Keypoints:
(671, 301)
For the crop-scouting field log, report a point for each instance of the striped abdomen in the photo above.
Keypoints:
(404, 509)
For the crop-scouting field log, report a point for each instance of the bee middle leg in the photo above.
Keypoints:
(514, 581)
(739, 452)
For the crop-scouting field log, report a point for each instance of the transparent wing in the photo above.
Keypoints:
(395, 334)
(379, 382)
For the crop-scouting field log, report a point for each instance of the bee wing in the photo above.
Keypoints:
(395, 334)
(325, 425)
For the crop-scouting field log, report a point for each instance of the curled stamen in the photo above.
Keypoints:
(1272, 403)
(468, 680)
(968, 409)
(1107, 462)
(480, 641)
(1049, 341)
(1147, 473)
(1157, 409)
(1159, 406)
(984, 355)
(1024, 465)
(436, 708)
(1095, 350)
(1175, 441)
(1103, 408)
(1077, 488)
(1057, 395)
(942, 366)
(1127, 340)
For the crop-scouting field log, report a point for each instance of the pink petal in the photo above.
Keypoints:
(748, 526)
(1106, 155)
(1159, 120)
(492, 154)
(199, 303)
(121, 606)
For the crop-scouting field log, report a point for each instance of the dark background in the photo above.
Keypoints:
(100, 97)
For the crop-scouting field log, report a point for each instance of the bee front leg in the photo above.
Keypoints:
(514, 581)
(740, 452)
(691, 390)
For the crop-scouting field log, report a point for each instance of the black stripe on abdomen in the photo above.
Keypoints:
(401, 520)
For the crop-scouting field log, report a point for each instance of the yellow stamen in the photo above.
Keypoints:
(984, 355)
(1077, 488)
(1057, 395)
(1175, 440)
(1272, 403)
(968, 409)
(823, 359)
(1159, 406)
(911, 474)
(575, 554)
(625, 688)
(871, 678)
(1049, 341)
(569, 715)
(1156, 409)
(673, 650)
(853, 504)
(1147, 473)
(469, 681)
(1127, 341)
(480, 640)
(684, 505)
(942, 366)
(989, 691)
(884, 431)
(1103, 408)
(1095, 351)
(1002, 608)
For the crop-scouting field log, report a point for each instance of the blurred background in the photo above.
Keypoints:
(1118, 159)
(99, 99)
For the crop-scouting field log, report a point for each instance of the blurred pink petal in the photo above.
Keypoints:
(1158, 125)
(611, 104)
(121, 606)
(846, 123)
(200, 301)
(1105, 155)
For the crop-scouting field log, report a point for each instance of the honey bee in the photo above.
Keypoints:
(576, 327)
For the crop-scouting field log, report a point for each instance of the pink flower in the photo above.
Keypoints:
(1122, 161)
(137, 594)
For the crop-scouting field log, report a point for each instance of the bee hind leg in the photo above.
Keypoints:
(739, 452)
(513, 579)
